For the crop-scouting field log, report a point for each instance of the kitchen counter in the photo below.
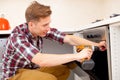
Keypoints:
(5, 31)
(100, 23)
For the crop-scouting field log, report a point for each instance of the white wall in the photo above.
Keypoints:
(70, 14)
(67, 14)
(112, 7)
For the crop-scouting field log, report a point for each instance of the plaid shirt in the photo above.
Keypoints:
(21, 47)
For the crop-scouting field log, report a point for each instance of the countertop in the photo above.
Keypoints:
(100, 23)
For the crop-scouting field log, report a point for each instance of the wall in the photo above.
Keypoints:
(67, 14)
(112, 7)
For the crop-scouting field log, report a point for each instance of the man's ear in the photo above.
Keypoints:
(30, 24)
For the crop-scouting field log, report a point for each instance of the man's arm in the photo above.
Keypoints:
(46, 60)
(75, 40)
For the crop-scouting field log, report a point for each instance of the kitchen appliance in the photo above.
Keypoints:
(101, 68)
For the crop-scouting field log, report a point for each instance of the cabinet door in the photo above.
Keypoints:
(115, 50)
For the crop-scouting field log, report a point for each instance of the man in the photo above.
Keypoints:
(23, 58)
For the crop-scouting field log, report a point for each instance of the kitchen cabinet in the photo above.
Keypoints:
(115, 50)
(3, 39)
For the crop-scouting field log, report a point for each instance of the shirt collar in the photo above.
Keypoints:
(29, 33)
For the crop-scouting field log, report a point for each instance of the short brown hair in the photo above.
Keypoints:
(36, 11)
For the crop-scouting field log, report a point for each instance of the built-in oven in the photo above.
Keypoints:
(3, 39)
(100, 69)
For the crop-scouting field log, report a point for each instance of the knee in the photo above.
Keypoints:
(36, 75)
(41, 75)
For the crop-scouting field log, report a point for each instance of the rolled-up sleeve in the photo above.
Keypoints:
(56, 35)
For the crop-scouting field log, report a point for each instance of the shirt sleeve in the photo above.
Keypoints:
(23, 46)
(56, 35)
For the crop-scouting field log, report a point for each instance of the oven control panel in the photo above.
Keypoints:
(96, 34)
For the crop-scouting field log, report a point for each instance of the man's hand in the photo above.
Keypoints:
(84, 54)
(102, 46)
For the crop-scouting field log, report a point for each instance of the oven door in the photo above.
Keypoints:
(100, 70)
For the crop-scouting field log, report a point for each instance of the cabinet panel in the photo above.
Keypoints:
(3, 39)
(115, 50)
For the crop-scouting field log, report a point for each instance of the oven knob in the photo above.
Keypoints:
(90, 36)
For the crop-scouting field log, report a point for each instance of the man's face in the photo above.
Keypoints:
(41, 27)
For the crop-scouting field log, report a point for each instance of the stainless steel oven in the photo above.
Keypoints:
(100, 71)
